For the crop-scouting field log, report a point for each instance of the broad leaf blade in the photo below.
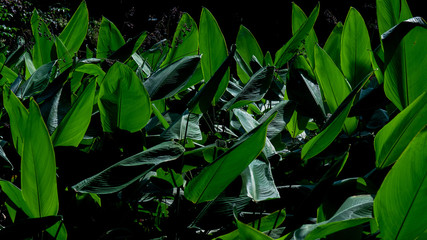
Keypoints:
(390, 13)
(109, 39)
(74, 33)
(355, 51)
(214, 178)
(258, 182)
(333, 44)
(401, 201)
(37, 83)
(247, 46)
(129, 170)
(123, 102)
(187, 125)
(43, 41)
(392, 140)
(247, 232)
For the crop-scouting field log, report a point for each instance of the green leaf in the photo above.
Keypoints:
(403, 54)
(74, 33)
(37, 83)
(355, 51)
(7, 75)
(355, 211)
(109, 39)
(123, 100)
(247, 232)
(247, 46)
(18, 116)
(214, 178)
(213, 48)
(185, 40)
(186, 126)
(333, 44)
(392, 140)
(43, 41)
(333, 126)
(258, 182)
(254, 90)
(65, 57)
(15, 195)
(390, 13)
(28, 228)
(73, 126)
(285, 53)
(38, 167)
(298, 20)
(169, 80)
(202, 101)
(125, 51)
(333, 84)
(129, 170)
(400, 202)
(284, 111)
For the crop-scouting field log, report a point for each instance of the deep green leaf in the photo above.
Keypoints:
(43, 41)
(247, 232)
(185, 126)
(392, 140)
(333, 44)
(109, 39)
(355, 51)
(125, 51)
(74, 33)
(390, 13)
(247, 46)
(123, 100)
(169, 80)
(400, 202)
(7, 75)
(214, 178)
(284, 111)
(37, 83)
(285, 53)
(129, 170)
(15, 196)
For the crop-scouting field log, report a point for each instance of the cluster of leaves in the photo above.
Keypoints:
(192, 140)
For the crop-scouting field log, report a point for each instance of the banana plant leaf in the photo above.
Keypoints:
(247, 46)
(186, 126)
(247, 232)
(333, 44)
(214, 178)
(185, 40)
(129, 170)
(15, 196)
(169, 80)
(392, 140)
(37, 83)
(355, 51)
(403, 54)
(8, 75)
(213, 48)
(355, 211)
(391, 13)
(43, 41)
(125, 51)
(74, 33)
(333, 84)
(285, 53)
(254, 90)
(400, 203)
(258, 182)
(123, 102)
(284, 110)
(109, 39)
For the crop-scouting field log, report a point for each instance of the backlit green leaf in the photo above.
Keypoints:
(109, 39)
(74, 33)
(247, 46)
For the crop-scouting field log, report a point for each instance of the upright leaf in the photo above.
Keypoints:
(400, 202)
(7, 75)
(213, 48)
(129, 170)
(335, 87)
(355, 51)
(43, 41)
(123, 102)
(214, 178)
(333, 44)
(390, 13)
(247, 46)
(74, 33)
(38, 167)
(392, 140)
(109, 39)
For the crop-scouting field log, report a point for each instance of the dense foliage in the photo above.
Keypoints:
(194, 138)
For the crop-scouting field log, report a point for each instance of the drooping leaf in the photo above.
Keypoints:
(37, 83)
(73, 126)
(355, 51)
(123, 100)
(15, 196)
(74, 33)
(213, 48)
(169, 80)
(333, 126)
(284, 111)
(185, 40)
(392, 140)
(334, 85)
(124, 52)
(38, 166)
(355, 211)
(400, 202)
(129, 170)
(109, 39)
(247, 46)
(214, 178)
(258, 182)
(285, 53)
(43, 41)
(403, 54)
(7, 75)
(254, 90)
